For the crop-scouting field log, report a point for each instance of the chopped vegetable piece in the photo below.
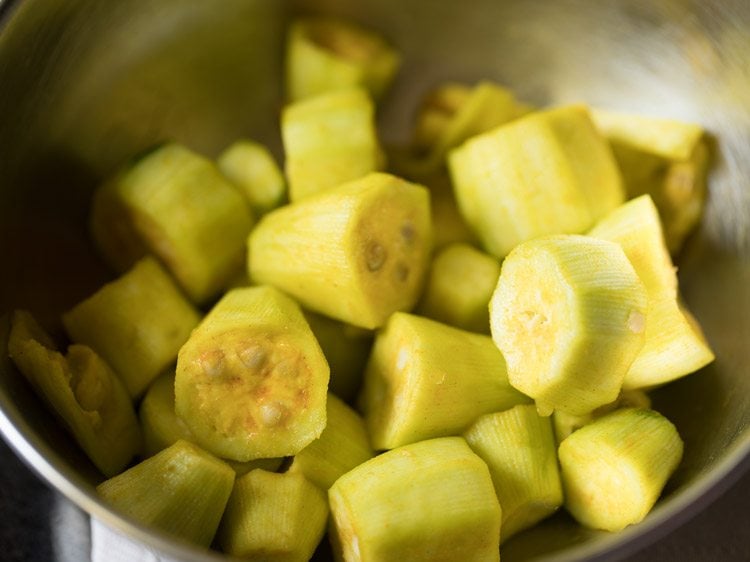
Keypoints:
(665, 158)
(329, 140)
(425, 379)
(460, 286)
(181, 490)
(454, 112)
(274, 517)
(328, 54)
(430, 501)
(675, 345)
(549, 172)
(520, 451)
(161, 425)
(565, 424)
(569, 315)
(356, 253)
(615, 468)
(251, 167)
(137, 323)
(176, 205)
(342, 446)
(251, 381)
(81, 390)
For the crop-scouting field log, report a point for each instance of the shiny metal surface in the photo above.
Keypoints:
(84, 84)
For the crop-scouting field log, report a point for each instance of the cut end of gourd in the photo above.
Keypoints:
(428, 501)
(325, 54)
(181, 490)
(567, 314)
(615, 468)
(250, 386)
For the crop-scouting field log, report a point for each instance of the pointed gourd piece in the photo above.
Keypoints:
(459, 287)
(82, 390)
(565, 423)
(329, 140)
(137, 323)
(251, 381)
(342, 446)
(251, 167)
(425, 379)
(327, 54)
(569, 315)
(428, 501)
(356, 253)
(182, 490)
(674, 345)
(454, 113)
(520, 451)
(437, 110)
(615, 468)
(665, 158)
(548, 172)
(161, 425)
(176, 205)
(274, 517)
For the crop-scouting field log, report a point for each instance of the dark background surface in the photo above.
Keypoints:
(39, 525)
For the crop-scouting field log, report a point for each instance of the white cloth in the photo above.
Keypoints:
(109, 546)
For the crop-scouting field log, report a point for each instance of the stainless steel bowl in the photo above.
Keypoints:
(85, 83)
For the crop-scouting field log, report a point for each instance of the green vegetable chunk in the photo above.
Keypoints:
(161, 425)
(176, 205)
(274, 517)
(431, 501)
(251, 381)
(342, 446)
(251, 167)
(569, 314)
(182, 490)
(137, 323)
(675, 345)
(425, 379)
(615, 468)
(665, 158)
(356, 253)
(460, 286)
(520, 451)
(454, 112)
(326, 54)
(81, 390)
(329, 140)
(549, 172)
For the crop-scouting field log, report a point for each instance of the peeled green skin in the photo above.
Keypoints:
(357, 252)
(182, 490)
(82, 390)
(430, 501)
